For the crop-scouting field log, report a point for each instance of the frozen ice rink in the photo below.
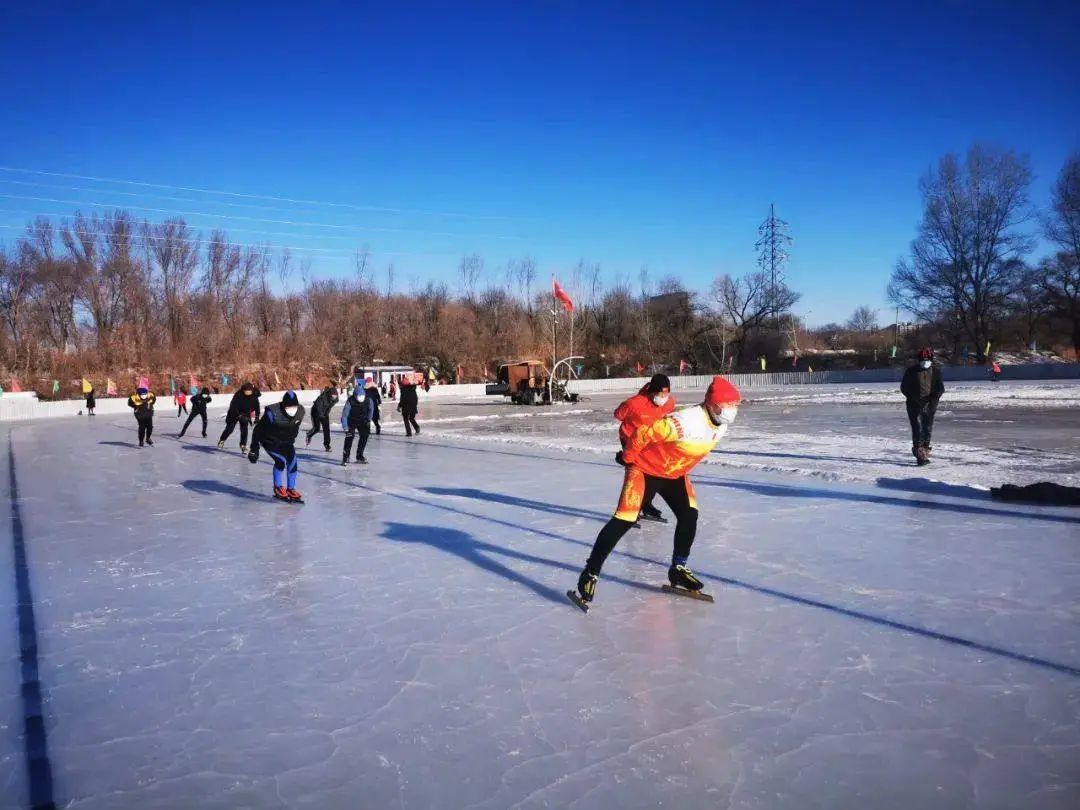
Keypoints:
(883, 636)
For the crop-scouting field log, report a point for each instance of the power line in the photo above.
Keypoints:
(172, 212)
(335, 252)
(232, 229)
(348, 206)
(143, 194)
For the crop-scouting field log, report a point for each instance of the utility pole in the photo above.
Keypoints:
(771, 246)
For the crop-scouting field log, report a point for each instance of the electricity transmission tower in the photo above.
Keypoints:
(771, 247)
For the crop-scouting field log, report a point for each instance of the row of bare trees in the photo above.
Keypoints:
(108, 294)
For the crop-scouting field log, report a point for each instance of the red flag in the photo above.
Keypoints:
(193, 384)
(561, 295)
(683, 366)
(15, 387)
(640, 369)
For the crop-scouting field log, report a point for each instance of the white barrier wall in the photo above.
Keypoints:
(22, 406)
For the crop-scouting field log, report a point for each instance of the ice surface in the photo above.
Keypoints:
(402, 640)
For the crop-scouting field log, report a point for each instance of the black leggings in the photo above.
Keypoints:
(363, 431)
(410, 423)
(230, 423)
(146, 427)
(922, 424)
(179, 409)
(676, 493)
(191, 419)
(320, 423)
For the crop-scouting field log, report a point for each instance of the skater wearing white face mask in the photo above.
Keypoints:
(922, 387)
(356, 422)
(652, 402)
(276, 432)
(659, 458)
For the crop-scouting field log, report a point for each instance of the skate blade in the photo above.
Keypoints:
(645, 517)
(577, 600)
(701, 596)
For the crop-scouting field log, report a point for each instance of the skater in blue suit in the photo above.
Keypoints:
(276, 432)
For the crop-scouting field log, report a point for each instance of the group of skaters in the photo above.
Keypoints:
(660, 447)
(276, 428)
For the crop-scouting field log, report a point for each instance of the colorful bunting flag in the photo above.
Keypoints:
(15, 387)
(87, 387)
(110, 388)
(55, 387)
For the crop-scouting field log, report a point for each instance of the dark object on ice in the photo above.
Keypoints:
(1044, 492)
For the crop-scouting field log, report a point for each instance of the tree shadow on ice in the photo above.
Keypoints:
(923, 486)
(525, 503)
(806, 457)
(120, 444)
(208, 487)
(815, 493)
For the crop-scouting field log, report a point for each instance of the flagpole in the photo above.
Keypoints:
(554, 328)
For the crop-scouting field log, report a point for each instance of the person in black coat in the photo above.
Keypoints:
(91, 401)
(922, 387)
(376, 399)
(320, 414)
(243, 409)
(356, 421)
(199, 402)
(276, 433)
(142, 402)
(409, 406)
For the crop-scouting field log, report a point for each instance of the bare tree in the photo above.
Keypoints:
(965, 260)
(749, 303)
(863, 319)
(1060, 275)
(470, 269)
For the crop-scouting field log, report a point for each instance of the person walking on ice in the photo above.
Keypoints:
(243, 409)
(180, 401)
(142, 402)
(276, 433)
(320, 415)
(376, 398)
(356, 420)
(922, 387)
(199, 402)
(409, 407)
(652, 402)
(91, 401)
(660, 457)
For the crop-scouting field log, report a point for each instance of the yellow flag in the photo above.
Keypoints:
(86, 386)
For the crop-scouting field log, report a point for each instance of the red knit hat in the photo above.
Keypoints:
(721, 392)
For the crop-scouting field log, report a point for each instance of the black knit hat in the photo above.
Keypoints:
(658, 383)
(289, 398)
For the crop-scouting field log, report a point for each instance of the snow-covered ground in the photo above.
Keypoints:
(403, 638)
(985, 434)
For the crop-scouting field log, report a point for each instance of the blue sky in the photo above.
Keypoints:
(624, 134)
